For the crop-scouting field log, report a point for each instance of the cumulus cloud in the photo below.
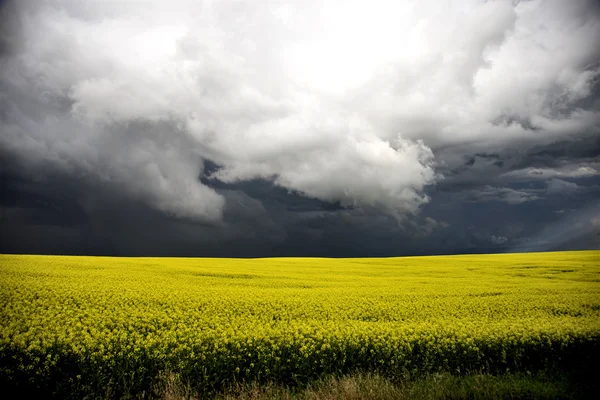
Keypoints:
(339, 102)
(488, 72)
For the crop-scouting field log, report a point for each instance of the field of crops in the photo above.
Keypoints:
(100, 326)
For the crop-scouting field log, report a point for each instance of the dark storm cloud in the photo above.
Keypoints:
(305, 128)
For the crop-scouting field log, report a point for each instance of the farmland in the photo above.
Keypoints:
(101, 326)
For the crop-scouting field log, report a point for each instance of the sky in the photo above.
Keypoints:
(299, 128)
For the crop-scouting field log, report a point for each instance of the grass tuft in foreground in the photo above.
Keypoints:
(431, 387)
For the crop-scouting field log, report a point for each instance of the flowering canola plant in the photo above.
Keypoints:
(92, 324)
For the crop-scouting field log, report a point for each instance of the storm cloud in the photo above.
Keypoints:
(308, 127)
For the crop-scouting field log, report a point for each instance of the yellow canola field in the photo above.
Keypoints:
(94, 323)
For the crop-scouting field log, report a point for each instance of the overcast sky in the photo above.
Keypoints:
(299, 128)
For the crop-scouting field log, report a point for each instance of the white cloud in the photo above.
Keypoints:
(329, 99)
(570, 171)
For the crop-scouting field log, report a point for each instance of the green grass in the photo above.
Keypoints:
(432, 386)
